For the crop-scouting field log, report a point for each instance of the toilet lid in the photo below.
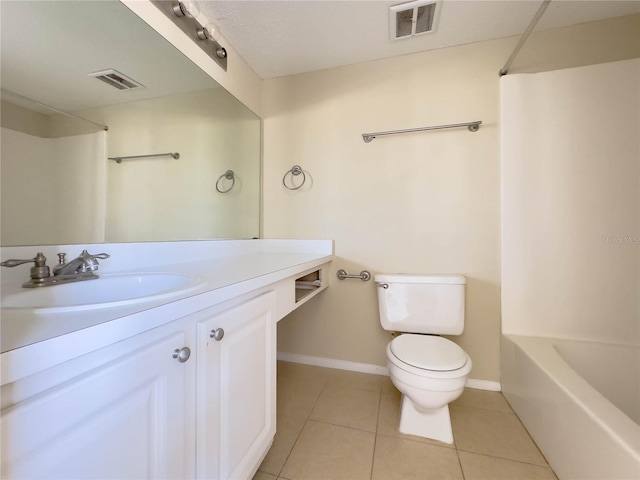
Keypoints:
(428, 352)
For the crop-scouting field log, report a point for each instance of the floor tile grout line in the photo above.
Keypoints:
(525, 429)
(503, 458)
(375, 436)
(401, 437)
(291, 450)
(460, 463)
(327, 382)
(457, 405)
(300, 432)
(324, 422)
(534, 442)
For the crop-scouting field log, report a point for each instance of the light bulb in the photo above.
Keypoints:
(188, 8)
(210, 32)
(213, 31)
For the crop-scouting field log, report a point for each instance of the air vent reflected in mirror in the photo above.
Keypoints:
(117, 79)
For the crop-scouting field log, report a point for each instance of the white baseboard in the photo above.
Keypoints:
(369, 368)
(332, 363)
(484, 385)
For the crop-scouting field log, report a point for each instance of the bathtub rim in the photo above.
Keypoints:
(541, 351)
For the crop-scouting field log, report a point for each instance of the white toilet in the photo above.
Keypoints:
(428, 370)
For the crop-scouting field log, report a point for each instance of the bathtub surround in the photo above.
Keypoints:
(582, 434)
(571, 265)
(571, 187)
(416, 203)
(56, 183)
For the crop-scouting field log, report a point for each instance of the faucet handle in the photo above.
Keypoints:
(40, 261)
(91, 261)
(101, 256)
(38, 272)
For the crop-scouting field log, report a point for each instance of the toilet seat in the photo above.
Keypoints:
(427, 352)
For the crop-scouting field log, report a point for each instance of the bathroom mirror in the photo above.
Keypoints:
(58, 184)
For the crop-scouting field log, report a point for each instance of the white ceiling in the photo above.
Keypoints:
(67, 40)
(284, 37)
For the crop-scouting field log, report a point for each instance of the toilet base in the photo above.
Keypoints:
(432, 423)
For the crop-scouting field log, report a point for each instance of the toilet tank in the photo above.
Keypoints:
(421, 303)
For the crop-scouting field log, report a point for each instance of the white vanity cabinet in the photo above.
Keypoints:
(194, 398)
(236, 377)
(182, 389)
(120, 412)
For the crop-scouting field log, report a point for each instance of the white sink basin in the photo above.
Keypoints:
(106, 292)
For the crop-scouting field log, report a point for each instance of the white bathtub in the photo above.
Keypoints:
(580, 401)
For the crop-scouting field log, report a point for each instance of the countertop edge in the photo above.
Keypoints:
(30, 359)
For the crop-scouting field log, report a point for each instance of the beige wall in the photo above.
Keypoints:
(425, 202)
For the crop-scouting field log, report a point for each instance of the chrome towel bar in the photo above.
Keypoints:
(175, 156)
(471, 126)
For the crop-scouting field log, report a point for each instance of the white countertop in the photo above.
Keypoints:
(228, 269)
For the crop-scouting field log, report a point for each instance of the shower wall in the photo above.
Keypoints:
(570, 144)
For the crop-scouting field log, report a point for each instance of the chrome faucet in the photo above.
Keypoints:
(78, 269)
(84, 263)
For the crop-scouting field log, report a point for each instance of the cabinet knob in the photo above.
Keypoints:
(182, 354)
(217, 334)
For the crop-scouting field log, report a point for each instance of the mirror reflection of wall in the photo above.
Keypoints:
(57, 184)
(177, 199)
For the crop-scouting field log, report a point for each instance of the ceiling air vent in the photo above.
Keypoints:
(413, 18)
(117, 79)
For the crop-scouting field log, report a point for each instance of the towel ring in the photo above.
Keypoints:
(295, 171)
(229, 175)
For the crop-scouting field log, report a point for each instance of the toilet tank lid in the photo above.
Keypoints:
(416, 278)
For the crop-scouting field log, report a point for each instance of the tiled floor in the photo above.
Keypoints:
(334, 424)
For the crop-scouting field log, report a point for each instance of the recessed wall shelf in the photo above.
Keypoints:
(308, 284)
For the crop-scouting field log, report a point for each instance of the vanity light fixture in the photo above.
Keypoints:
(211, 32)
(185, 14)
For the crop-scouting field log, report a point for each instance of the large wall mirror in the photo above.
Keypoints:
(58, 184)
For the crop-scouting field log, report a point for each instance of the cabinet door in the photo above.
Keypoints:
(236, 389)
(123, 419)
